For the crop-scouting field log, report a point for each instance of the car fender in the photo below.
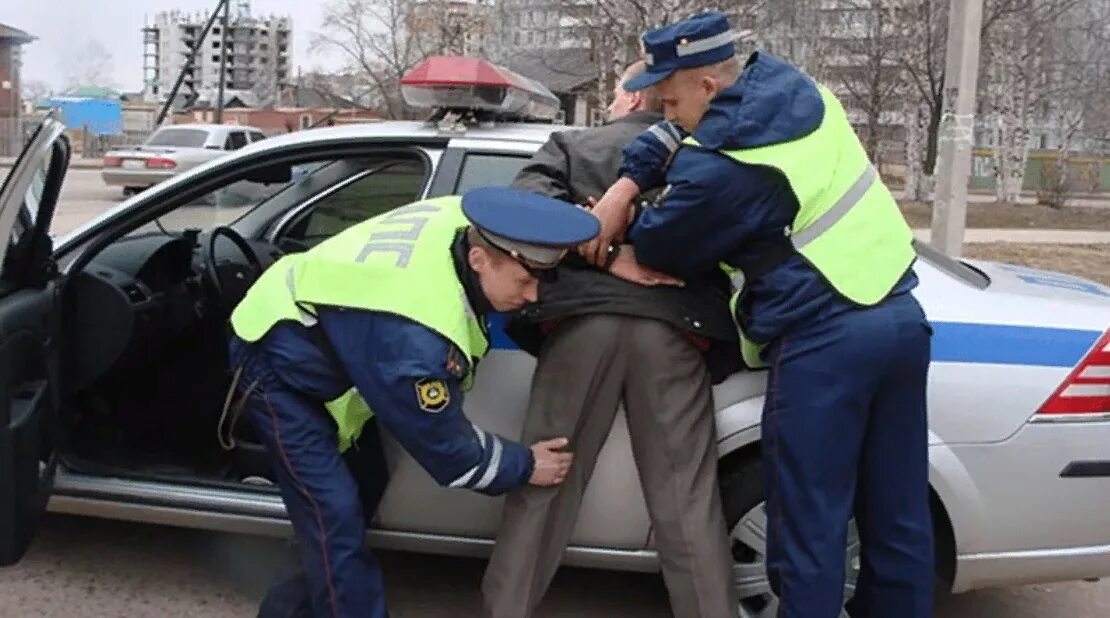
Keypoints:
(739, 404)
(738, 427)
(962, 501)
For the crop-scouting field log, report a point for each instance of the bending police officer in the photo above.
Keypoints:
(385, 323)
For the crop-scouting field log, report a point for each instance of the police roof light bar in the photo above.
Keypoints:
(471, 86)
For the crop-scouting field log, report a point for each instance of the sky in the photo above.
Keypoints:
(64, 26)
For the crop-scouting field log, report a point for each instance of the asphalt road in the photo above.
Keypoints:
(82, 568)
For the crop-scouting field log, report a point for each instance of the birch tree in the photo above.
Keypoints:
(1018, 36)
(1078, 74)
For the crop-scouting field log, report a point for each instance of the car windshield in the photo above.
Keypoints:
(185, 138)
(226, 204)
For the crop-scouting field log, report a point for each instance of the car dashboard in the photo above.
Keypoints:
(137, 296)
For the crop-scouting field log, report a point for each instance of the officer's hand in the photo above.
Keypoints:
(626, 267)
(551, 465)
(614, 210)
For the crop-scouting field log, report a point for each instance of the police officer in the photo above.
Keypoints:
(765, 175)
(386, 321)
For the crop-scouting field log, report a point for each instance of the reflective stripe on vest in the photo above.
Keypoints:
(398, 263)
(825, 221)
(830, 217)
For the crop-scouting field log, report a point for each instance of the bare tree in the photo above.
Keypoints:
(382, 40)
(798, 31)
(853, 46)
(1018, 37)
(89, 64)
(341, 90)
(870, 40)
(1077, 69)
(34, 89)
(266, 90)
(612, 29)
(608, 30)
(924, 29)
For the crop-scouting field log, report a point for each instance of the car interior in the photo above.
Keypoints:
(147, 374)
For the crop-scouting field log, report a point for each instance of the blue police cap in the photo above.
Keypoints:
(697, 41)
(528, 225)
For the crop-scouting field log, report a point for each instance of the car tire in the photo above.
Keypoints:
(129, 191)
(746, 518)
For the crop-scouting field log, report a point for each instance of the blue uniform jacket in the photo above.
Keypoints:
(385, 357)
(717, 210)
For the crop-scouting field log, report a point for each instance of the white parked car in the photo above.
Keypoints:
(172, 150)
(112, 365)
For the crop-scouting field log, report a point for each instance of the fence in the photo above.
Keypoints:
(88, 145)
(14, 133)
(1087, 174)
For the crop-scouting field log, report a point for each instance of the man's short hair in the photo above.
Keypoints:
(652, 102)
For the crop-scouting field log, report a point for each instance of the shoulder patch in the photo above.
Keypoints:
(457, 366)
(432, 394)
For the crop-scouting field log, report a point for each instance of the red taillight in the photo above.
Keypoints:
(158, 163)
(110, 161)
(1087, 388)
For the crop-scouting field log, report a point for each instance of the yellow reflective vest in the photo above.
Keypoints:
(399, 263)
(848, 224)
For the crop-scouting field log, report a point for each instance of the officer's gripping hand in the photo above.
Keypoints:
(615, 211)
(551, 465)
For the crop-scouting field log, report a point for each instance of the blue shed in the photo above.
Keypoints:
(97, 116)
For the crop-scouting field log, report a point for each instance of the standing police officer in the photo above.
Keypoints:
(765, 176)
(387, 320)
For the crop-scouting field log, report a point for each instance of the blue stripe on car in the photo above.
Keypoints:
(961, 342)
(958, 342)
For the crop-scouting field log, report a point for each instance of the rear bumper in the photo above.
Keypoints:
(119, 177)
(1023, 518)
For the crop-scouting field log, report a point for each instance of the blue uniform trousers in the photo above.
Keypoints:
(327, 503)
(845, 432)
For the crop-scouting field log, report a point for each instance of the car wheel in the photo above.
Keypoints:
(129, 191)
(746, 517)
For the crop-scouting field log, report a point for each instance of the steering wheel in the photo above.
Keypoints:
(222, 292)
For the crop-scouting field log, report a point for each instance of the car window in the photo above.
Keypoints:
(183, 138)
(235, 140)
(226, 204)
(386, 184)
(257, 136)
(480, 170)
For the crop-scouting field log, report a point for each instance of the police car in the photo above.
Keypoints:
(113, 368)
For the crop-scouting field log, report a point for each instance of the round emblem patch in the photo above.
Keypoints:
(432, 394)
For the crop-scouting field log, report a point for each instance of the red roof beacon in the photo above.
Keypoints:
(477, 88)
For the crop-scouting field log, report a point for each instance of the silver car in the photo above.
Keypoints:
(172, 150)
(113, 368)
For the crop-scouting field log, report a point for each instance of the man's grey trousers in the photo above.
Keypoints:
(587, 367)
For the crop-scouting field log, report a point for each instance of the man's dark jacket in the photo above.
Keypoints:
(573, 166)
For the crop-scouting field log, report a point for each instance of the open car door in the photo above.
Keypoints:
(29, 336)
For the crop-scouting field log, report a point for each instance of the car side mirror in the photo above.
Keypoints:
(277, 173)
